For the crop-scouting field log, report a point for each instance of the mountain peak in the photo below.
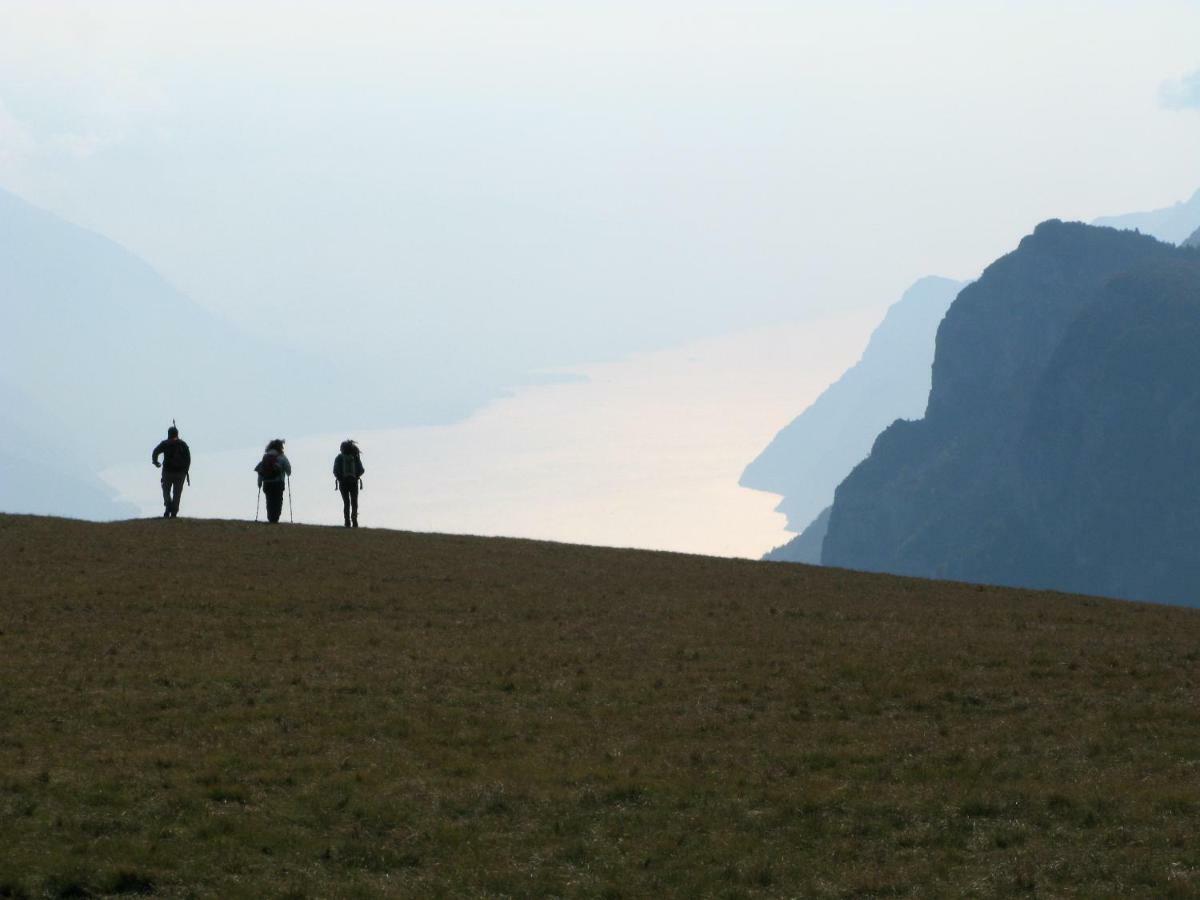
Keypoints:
(1057, 445)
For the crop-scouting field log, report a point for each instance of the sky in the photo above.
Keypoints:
(493, 187)
(474, 197)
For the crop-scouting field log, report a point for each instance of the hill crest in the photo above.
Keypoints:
(229, 709)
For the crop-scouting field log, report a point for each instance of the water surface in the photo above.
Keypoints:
(645, 452)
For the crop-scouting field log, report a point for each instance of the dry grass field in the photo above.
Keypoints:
(220, 709)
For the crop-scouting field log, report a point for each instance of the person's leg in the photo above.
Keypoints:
(166, 489)
(345, 489)
(176, 494)
(274, 492)
(354, 504)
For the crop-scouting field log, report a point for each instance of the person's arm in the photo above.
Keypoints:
(336, 460)
(158, 451)
(187, 459)
(358, 464)
(286, 463)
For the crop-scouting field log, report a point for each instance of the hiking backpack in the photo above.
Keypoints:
(269, 468)
(347, 465)
(176, 457)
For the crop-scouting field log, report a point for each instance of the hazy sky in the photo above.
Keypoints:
(503, 185)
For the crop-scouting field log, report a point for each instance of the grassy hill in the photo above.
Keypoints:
(218, 709)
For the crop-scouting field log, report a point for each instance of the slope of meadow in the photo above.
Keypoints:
(204, 709)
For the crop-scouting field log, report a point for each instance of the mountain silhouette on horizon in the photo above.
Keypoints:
(1059, 445)
(788, 466)
(1172, 224)
(98, 339)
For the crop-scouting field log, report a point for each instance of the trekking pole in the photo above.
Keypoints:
(257, 501)
(291, 518)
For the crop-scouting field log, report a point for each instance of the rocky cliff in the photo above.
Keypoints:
(1063, 417)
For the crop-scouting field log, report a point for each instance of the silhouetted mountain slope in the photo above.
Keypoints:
(1194, 240)
(1111, 446)
(808, 458)
(1063, 416)
(99, 339)
(1172, 224)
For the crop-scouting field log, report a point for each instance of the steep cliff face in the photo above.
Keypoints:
(1036, 426)
(1110, 453)
(807, 459)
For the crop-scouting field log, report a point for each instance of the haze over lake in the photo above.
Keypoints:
(373, 219)
(645, 452)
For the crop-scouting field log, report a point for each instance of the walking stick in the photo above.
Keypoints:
(257, 501)
(291, 518)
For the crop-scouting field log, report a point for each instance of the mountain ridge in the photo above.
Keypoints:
(98, 338)
(956, 494)
(1171, 224)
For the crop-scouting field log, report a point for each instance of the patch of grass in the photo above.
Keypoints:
(214, 709)
(128, 881)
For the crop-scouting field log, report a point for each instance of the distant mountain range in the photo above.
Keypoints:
(99, 353)
(1060, 442)
(98, 339)
(1172, 224)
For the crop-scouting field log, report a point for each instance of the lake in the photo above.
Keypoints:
(644, 452)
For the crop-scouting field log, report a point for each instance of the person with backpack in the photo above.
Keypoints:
(177, 462)
(273, 471)
(348, 472)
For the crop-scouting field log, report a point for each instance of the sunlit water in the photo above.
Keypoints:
(645, 452)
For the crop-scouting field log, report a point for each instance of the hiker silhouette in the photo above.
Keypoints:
(177, 462)
(348, 471)
(273, 471)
